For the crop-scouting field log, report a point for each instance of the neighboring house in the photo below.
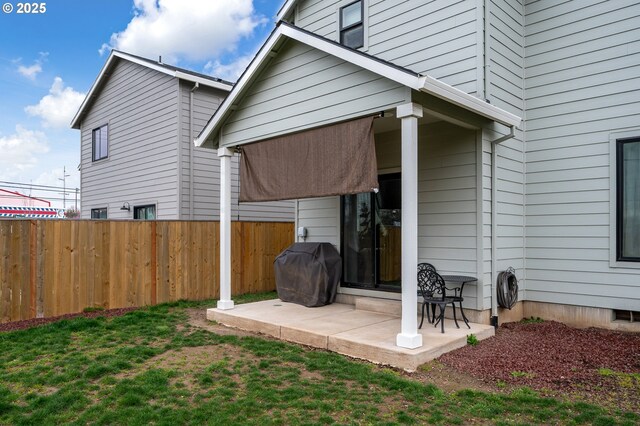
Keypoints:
(14, 204)
(138, 161)
(554, 195)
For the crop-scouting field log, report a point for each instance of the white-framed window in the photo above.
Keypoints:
(351, 19)
(628, 199)
(100, 142)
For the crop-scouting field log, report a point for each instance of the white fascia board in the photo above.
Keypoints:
(75, 122)
(175, 73)
(399, 76)
(285, 9)
(458, 97)
(151, 65)
(157, 67)
(225, 108)
(205, 82)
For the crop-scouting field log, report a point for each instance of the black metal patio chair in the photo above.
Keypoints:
(434, 293)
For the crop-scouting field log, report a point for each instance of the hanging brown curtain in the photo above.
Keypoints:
(333, 160)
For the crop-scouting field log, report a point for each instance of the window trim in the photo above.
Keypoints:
(614, 262)
(620, 197)
(106, 211)
(93, 143)
(364, 22)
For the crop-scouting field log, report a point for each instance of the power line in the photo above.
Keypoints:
(30, 185)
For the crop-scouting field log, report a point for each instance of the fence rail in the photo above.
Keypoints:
(50, 268)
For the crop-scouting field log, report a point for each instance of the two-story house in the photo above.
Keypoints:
(487, 134)
(137, 124)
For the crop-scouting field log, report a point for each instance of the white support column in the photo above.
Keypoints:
(409, 336)
(225, 301)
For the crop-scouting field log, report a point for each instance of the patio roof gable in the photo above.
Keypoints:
(391, 72)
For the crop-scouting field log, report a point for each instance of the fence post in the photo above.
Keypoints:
(154, 263)
(33, 266)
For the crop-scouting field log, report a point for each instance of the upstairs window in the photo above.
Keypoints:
(352, 25)
(628, 199)
(100, 142)
(144, 212)
(100, 213)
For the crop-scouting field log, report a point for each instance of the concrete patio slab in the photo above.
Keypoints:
(347, 330)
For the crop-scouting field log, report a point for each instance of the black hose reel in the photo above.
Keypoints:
(507, 288)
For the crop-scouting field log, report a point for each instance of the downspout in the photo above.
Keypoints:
(494, 222)
(191, 195)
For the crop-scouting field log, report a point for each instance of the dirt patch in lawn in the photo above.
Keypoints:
(198, 318)
(593, 365)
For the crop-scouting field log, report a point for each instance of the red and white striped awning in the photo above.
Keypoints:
(31, 212)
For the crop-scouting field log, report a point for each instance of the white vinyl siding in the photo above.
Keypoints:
(305, 88)
(582, 86)
(139, 105)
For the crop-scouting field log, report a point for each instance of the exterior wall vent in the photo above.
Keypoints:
(630, 316)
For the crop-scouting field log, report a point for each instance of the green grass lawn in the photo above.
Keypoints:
(151, 366)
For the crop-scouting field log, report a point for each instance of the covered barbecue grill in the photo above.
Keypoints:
(308, 274)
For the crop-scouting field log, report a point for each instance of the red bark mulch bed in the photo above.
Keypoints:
(552, 357)
(20, 325)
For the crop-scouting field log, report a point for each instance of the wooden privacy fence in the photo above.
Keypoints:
(50, 268)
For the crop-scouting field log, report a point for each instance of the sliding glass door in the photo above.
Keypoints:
(371, 237)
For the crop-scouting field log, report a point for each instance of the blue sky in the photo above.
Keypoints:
(48, 61)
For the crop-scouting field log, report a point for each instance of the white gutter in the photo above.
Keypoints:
(191, 148)
(494, 223)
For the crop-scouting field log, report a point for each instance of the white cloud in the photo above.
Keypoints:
(58, 108)
(194, 30)
(230, 72)
(20, 151)
(32, 71)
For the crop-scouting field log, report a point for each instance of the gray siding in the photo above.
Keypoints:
(321, 217)
(447, 202)
(139, 105)
(582, 85)
(447, 211)
(505, 90)
(440, 38)
(206, 167)
(305, 88)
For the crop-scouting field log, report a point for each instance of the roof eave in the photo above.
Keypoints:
(285, 9)
(220, 114)
(407, 78)
(469, 102)
(75, 123)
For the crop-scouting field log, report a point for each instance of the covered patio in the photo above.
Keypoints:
(292, 121)
(366, 329)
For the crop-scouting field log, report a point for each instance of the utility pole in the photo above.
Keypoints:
(76, 205)
(64, 187)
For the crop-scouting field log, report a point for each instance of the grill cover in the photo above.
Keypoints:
(308, 274)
